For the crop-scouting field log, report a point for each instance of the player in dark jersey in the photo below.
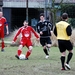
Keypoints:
(44, 28)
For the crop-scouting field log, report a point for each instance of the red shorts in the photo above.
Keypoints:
(26, 42)
(1, 34)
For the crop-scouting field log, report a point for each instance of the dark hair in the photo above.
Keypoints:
(42, 14)
(64, 16)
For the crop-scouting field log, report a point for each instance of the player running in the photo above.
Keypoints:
(45, 28)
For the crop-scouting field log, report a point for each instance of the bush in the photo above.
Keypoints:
(72, 22)
(36, 43)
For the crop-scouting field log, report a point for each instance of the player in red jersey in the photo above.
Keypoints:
(25, 32)
(3, 23)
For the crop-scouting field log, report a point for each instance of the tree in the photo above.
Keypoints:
(54, 9)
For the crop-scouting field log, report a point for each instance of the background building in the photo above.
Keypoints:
(15, 11)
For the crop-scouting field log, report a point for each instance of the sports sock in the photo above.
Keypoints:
(2, 44)
(69, 57)
(28, 53)
(62, 61)
(45, 51)
(19, 52)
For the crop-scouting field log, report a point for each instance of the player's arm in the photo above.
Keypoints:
(69, 30)
(38, 28)
(50, 26)
(55, 31)
(17, 34)
(37, 36)
(7, 29)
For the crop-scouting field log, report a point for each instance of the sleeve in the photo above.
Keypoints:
(69, 30)
(55, 31)
(36, 35)
(17, 34)
(5, 23)
(38, 28)
(50, 26)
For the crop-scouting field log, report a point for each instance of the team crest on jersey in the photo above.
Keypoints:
(45, 23)
(26, 35)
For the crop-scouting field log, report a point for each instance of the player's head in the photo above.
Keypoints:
(42, 17)
(64, 16)
(1, 14)
(25, 23)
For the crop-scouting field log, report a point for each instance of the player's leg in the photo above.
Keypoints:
(43, 43)
(48, 43)
(69, 57)
(2, 39)
(19, 51)
(70, 54)
(45, 51)
(29, 46)
(48, 47)
(2, 44)
(22, 44)
(63, 53)
(28, 53)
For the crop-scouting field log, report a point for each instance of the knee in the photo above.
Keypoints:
(71, 51)
(30, 47)
(2, 39)
(49, 45)
(20, 47)
(44, 47)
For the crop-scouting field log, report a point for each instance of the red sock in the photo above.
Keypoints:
(3, 45)
(28, 53)
(19, 52)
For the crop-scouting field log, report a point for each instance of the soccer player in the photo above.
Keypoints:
(25, 40)
(3, 23)
(63, 32)
(44, 28)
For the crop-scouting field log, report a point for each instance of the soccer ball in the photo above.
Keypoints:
(22, 56)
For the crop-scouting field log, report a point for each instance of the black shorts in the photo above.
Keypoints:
(44, 41)
(65, 45)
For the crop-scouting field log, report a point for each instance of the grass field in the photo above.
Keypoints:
(36, 65)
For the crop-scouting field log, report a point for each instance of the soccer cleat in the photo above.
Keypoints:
(63, 69)
(17, 56)
(47, 56)
(2, 50)
(67, 66)
(26, 58)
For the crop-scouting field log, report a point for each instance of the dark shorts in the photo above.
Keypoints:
(44, 41)
(65, 45)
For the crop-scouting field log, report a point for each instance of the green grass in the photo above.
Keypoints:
(36, 65)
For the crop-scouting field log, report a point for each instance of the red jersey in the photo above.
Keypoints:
(25, 33)
(2, 23)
